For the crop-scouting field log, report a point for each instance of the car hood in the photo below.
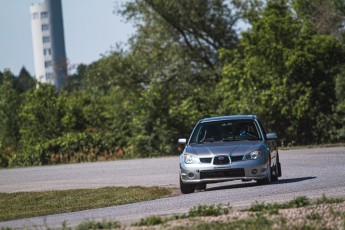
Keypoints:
(224, 148)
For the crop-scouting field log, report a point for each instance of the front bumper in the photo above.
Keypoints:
(209, 173)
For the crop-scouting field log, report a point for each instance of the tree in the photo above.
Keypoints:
(340, 93)
(176, 56)
(40, 116)
(9, 108)
(200, 30)
(24, 81)
(325, 17)
(285, 74)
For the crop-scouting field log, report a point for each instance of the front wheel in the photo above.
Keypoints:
(186, 188)
(275, 173)
(268, 179)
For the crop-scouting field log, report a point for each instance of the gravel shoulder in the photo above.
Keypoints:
(324, 216)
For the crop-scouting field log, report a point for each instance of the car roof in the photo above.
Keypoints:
(229, 117)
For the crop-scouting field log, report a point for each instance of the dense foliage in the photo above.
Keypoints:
(186, 61)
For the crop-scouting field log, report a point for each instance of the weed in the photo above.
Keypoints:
(282, 220)
(262, 207)
(331, 211)
(300, 201)
(314, 216)
(212, 210)
(201, 210)
(326, 200)
(273, 208)
(98, 225)
(151, 220)
(336, 214)
(64, 226)
(258, 222)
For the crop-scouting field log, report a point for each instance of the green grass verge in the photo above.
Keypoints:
(30, 204)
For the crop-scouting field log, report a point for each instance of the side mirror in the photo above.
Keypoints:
(182, 141)
(271, 136)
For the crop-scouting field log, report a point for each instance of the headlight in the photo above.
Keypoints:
(253, 155)
(190, 159)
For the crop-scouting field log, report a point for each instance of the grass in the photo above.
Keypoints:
(197, 211)
(152, 220)
(97, 225)
(30, 204)
(211, 210)
(327, 200)
(273, 208)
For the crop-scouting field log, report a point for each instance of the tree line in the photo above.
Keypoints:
(280, 59)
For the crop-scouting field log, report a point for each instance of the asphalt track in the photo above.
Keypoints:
(308, 172)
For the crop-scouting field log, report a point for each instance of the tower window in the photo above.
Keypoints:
(47, 51)
(46, 39)
(48, 64)
(45, 27)
(44, 14)
(35, 16)
(49, 76)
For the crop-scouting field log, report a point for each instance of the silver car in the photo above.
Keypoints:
(228, 148)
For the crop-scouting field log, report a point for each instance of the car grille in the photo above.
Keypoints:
(207, 174)
(221, 160)
(206, 160)
(236, 158)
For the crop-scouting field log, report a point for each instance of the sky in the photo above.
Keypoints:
(90, 26)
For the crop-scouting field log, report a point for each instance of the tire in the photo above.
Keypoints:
(279, 169)
(200, 187)
(186, 188)
(268, 179)
(276, 170)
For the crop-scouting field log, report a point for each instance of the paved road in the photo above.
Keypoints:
(143, 172)
(310, 172)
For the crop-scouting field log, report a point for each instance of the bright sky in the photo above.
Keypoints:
(91, 29)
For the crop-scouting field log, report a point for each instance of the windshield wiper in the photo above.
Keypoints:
(230, 139)
(206, 140)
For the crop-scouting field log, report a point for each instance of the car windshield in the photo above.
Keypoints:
(225, 130)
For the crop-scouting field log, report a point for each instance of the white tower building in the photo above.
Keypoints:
(48, 42)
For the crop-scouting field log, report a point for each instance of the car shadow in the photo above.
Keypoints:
(254, 184)
(294, 180)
